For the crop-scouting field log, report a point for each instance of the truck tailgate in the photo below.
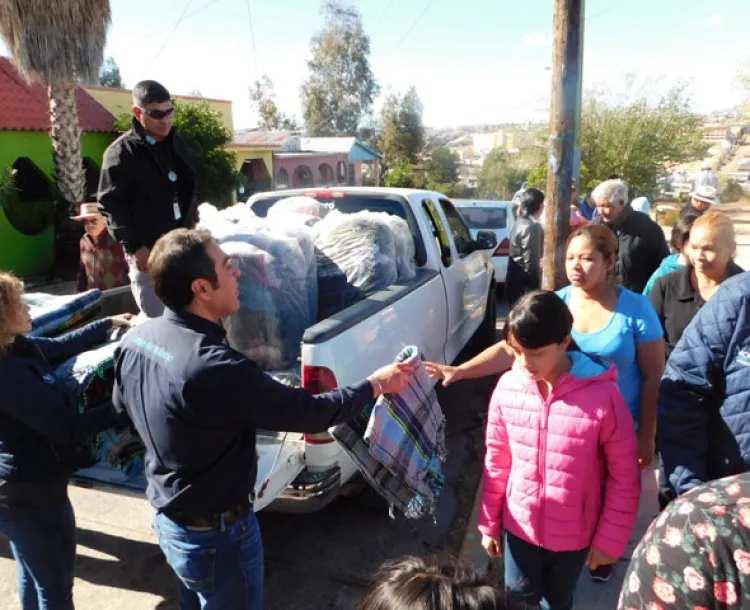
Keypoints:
(278, 465)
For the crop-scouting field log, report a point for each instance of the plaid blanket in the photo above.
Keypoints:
(53, 315)
(89, 380)
(399, 443)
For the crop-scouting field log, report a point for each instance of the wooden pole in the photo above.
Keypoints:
(566, 75)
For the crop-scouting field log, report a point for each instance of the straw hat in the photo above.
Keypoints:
(705, 193)
(87, 210)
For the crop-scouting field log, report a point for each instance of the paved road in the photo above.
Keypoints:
(312, 561)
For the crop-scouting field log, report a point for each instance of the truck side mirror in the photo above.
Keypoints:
(486, 240)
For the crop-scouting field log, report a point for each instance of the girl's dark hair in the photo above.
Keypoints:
(681, 230)
(539, 319)
(431, 583)
(530, 202)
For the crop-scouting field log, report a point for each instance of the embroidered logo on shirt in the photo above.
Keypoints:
(743, 357)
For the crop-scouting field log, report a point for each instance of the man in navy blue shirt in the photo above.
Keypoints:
(196, 404)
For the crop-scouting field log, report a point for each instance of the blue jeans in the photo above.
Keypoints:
(541, 577)
(219, 569)
(43, 542)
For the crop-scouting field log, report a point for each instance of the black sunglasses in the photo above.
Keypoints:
(155, 113)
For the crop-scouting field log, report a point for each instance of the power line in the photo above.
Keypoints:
(382, 17)
(200, 8)
(413, 25)
(252, 36)
(174, 29)
(187, 16)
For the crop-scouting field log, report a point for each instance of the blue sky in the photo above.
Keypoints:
(474, 61)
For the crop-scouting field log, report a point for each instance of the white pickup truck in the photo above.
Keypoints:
(450, 303)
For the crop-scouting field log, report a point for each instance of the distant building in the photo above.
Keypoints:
(715, 132)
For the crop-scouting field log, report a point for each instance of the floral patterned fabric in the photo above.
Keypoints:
(696, 555)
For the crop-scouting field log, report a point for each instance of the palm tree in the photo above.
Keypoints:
(60, 44)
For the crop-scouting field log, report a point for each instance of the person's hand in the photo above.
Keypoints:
(598, 558)
(646, 448)
(493, 546)
(122, 319)
(443, 372)
(141, 259)
(391, 379)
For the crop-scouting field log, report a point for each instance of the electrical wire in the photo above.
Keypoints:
(252, 37)
(413, 26)
(174, 29)
(382, 17)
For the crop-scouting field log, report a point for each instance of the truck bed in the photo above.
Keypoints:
(327, 329)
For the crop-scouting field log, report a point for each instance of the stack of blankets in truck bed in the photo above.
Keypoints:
(302, 264)
(89, 379)
(54, 315)
(278, 286)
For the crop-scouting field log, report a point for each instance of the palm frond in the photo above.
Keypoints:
(56, 41)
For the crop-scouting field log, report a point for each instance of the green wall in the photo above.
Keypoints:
(33, 255)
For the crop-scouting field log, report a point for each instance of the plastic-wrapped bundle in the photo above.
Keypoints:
(303, 236)
(278, 285)
(300, 205)
(405, 251)
(254, 330)
(356, 257)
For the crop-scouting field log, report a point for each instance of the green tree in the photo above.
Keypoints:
(442, 168)
(403, 135)
(500, 177)
(341, 87)
(263, 100)
(537, 177)
(205, 136)
(638, 139)
(402, 175)
(109, 75)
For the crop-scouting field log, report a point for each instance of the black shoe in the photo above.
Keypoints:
(601, 573)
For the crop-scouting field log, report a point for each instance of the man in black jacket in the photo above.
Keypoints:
(642, 245)
(197, 405)
(147, 186)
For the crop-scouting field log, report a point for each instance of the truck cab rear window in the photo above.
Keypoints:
(485, 218)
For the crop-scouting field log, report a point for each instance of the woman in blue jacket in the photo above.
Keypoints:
(39, 431)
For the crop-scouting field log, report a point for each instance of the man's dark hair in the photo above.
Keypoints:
(176, 261)
(432, 583)
(530, 202)
(614, 177)
(149, 92)
(539, 319)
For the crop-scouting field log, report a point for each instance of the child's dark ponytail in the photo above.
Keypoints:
(539, 319)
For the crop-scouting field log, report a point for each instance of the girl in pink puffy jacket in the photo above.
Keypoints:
(561, 477)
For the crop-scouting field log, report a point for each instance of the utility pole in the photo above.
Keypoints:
(565, 107)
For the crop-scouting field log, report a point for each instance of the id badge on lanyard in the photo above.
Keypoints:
(175, 203)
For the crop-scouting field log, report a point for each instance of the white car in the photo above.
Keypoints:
(496, 216)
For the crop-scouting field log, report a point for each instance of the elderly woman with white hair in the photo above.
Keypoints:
(642, 244)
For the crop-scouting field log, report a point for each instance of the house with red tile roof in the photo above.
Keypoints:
(26, 232)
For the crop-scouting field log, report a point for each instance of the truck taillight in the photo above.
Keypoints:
(318, 380)
(325, 194)
(503, 249)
